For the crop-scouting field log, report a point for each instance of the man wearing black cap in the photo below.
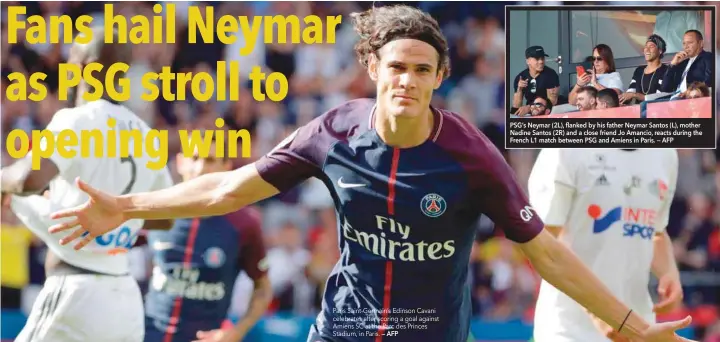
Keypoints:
(536, 80)
(648, 79)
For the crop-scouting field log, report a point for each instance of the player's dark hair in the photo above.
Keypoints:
(548, 104)
(610, 97)
(659, 42)
(607, 55)
(381, 25)
(697, 33)
(589, 90)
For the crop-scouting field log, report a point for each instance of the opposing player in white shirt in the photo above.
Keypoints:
(611, 208)
(89, 294)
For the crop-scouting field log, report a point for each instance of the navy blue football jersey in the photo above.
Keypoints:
(196, 264)
(406, 220)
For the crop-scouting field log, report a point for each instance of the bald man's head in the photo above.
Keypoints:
(98, 51)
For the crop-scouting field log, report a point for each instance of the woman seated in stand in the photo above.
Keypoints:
(602, 75)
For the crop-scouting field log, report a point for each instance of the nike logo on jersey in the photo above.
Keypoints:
(349, 185)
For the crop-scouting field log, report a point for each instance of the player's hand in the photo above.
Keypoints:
(522, 83)
(671, 293)
(625, 97)
(99, 215)
(607, 330)
(665, 332)
(219, 335)
(584, 80)
(593, 77)
(523, 110)
(679, 58)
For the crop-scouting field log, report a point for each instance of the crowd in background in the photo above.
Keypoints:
(300, 225)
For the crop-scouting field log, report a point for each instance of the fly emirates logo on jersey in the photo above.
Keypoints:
(391, 242)
(636, 221)
(184, 282)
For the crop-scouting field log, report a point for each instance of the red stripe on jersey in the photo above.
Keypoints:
(388, 264)
(175, 316)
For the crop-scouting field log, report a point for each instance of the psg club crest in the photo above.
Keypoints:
(433, 205)
(659, 188)
(214, 257)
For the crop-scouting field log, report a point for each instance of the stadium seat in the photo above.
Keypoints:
(563, 108)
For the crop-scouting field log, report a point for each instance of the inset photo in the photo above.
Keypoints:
(610, 77)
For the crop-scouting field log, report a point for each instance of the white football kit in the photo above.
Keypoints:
(91, 307)
(610, 203)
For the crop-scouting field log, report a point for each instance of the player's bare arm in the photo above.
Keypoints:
(554, 230)
(581, 82)
(663, 262)
(664, 267)
(603, 327)
(20, 179)
(517, 98)
(259, 301)
(209, 195)
(163, 181)
(561, 268)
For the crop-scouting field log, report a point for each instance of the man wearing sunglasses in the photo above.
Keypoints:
(541, 106)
